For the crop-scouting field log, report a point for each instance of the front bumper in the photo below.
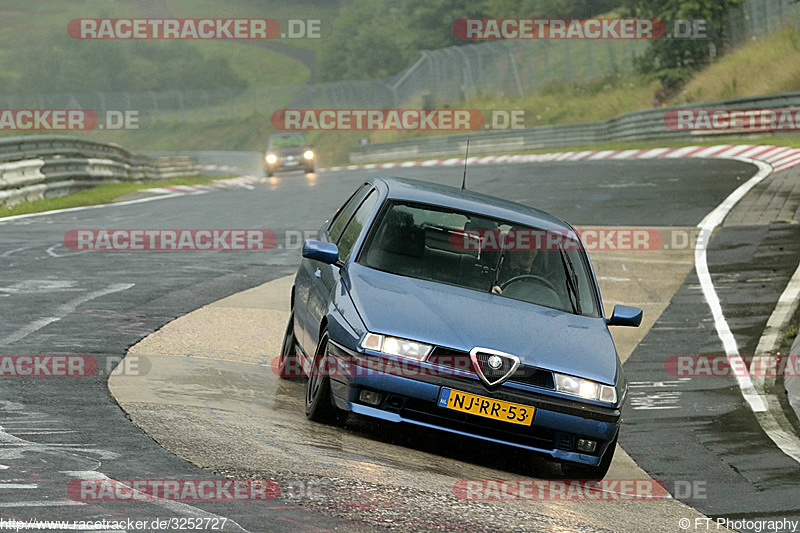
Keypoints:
(557, 422)
(290, 164)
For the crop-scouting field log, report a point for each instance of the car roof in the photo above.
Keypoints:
(472, 202)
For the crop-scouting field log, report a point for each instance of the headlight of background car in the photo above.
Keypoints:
(396, 346)
(308, 154)
(585, 388)
(271, 158)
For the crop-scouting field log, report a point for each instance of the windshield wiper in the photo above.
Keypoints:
(499, 265)
(572, 282)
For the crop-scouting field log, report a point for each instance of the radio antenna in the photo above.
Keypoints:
(464, 179)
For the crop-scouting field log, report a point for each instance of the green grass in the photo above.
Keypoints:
(757, 68)
(760, 67)
(102, 194)
(28, 25)
(195, 133)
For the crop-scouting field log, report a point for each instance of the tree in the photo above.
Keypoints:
(673, 60)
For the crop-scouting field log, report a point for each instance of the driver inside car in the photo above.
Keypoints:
(515, 263)
(528, 274)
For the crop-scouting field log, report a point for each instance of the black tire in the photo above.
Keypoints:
(576, 471)
(269, 172)
(319, 407)
(309, 170)
(288, 357)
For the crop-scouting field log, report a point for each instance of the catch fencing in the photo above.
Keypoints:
(646, 125)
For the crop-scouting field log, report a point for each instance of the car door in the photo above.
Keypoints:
(326, 277)
(311, 270)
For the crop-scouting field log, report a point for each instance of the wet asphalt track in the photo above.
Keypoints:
(56, 301)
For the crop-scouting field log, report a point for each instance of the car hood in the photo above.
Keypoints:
(462, 319)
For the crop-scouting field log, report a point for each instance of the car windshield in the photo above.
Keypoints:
(287, 141)
(473, 251)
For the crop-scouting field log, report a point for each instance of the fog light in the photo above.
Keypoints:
(370, 397)
(586, 445)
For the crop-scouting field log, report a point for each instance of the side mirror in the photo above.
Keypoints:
(325, 252)
(625, 316)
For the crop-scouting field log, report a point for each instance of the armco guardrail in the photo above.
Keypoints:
(41, 166)
(637, 125)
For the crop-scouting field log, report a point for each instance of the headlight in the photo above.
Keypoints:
(271, 158)
(585, 388)
(308, 154)
(396, 346)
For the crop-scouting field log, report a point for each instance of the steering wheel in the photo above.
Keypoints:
(539, 279)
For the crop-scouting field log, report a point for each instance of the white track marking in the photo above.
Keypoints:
(62, 311)
(758, 402)
(679, 152)
(707, 225)
(85, 207)
(15, 250)
(22, 448)
(36, 503)
(735, 150)
(52, 253)
(171, 505)
(786, 157)
(649, 154)
(708, 152)
(626, 154)
(778, 154)
(787, 304)
(57, 525)
(580, 155)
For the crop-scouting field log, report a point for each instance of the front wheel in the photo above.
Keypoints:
(289, 363)
(319, 407)
(576, 471)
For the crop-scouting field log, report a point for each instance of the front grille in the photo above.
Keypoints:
(494, 374)
(563, 441)
(528, 375)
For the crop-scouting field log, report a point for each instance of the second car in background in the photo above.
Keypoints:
(288, 151)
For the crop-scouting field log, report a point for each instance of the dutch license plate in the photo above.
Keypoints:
(486, 407)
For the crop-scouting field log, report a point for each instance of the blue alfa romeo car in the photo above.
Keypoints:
(459, 312)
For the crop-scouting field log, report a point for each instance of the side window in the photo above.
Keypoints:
(353, 229)
(343, 216)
